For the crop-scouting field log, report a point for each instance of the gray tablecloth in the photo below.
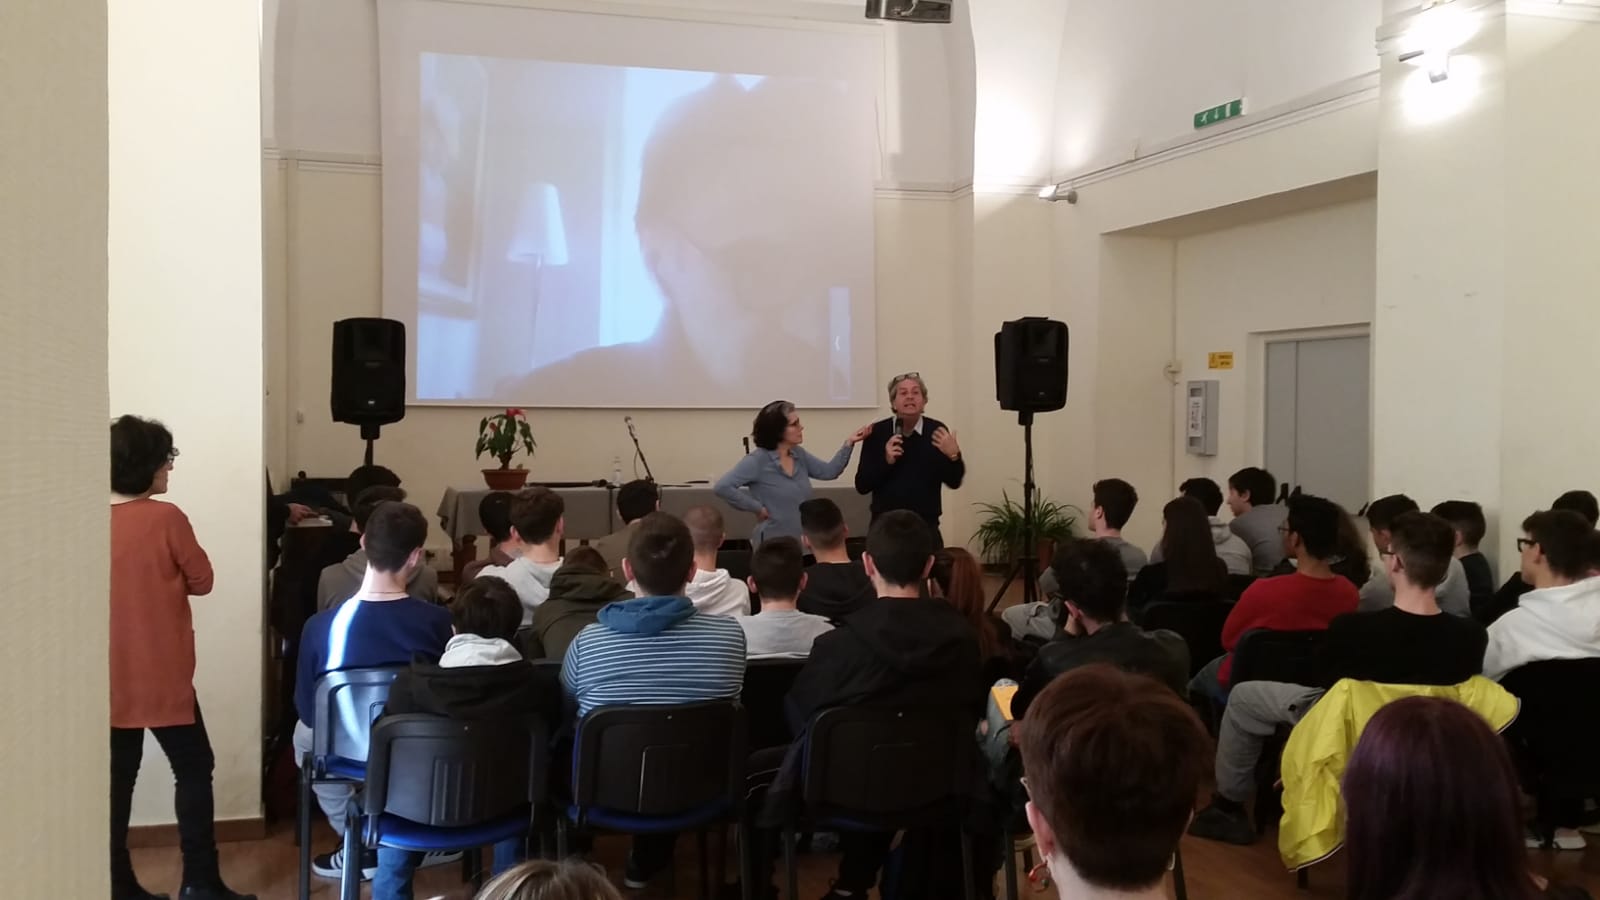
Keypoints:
(591, 513)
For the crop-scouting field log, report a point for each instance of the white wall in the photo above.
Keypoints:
(1133, 73)
(54, 771)
(1310, 270)
(186, 332)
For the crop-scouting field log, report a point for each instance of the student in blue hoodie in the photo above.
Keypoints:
(654, 649)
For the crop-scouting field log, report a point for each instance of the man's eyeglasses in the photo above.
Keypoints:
(1525, 543)
(172, 454)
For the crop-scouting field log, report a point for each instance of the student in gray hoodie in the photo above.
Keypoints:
(340, 581)
(1256, 519)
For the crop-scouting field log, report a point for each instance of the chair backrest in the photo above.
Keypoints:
(766, 687)
(347, 702)
(1237, 585)
(448, 773)
(887, 769)
(1559, 723)
(659, 760)
(1288, 656)
(1198, 623)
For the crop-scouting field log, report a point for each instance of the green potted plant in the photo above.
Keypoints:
(501, 436)
(1001, 533)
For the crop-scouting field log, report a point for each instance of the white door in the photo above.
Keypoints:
(1318, 418)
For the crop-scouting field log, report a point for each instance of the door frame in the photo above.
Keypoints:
(1256, 380)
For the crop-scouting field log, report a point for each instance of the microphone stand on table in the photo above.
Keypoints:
(637, 450)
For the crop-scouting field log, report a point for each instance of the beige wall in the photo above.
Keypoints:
(1304, 272)
(186, 332)
(53, 764)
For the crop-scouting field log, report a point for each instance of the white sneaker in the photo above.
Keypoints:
(1565, 839)
(439, 858)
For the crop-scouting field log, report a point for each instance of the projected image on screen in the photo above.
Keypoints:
(593, 235)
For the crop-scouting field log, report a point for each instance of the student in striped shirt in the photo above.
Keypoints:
(655, 649)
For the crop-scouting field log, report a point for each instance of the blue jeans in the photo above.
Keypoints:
(396, 867)
(1205, 682)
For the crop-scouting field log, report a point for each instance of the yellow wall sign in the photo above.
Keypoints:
(1220, 360)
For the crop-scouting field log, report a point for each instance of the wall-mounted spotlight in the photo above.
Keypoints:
(1048, 192)
(1436, 61)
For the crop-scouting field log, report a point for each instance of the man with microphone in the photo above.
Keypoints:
(908, 456)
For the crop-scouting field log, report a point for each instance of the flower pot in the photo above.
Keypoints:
(505, 479)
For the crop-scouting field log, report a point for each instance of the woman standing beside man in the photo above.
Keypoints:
(775, 479)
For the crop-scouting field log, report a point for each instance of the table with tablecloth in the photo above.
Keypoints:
(591, 512)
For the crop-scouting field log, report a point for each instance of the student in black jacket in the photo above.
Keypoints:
(908, 457)
(481, 675)
(836, 585)
(902, 651)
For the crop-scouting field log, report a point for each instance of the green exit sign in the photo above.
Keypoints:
(1207, 117)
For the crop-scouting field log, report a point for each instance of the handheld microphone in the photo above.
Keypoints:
(628, 420)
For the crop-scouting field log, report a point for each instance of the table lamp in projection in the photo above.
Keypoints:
(541, 237)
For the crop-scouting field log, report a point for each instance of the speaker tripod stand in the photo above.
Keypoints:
(1027, 565)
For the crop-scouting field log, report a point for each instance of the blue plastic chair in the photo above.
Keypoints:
(644, 769)
(438, 784)
(346, 704)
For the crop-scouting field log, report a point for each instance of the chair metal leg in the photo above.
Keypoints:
(561, 837)
(1302, 879)
(788, 864)
(350, 878)
(745, 838)
(1180, 890)
(1008, 852)
(705, 864)
(303, 828)
(967, 888)
(472, 866)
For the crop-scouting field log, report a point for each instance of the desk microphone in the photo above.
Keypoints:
(747, 446)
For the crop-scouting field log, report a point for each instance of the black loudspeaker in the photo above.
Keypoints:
(369, 371)
(1030, 365)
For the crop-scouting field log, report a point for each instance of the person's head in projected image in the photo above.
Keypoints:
(738, 226)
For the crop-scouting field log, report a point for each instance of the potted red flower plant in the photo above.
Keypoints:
(501, 436)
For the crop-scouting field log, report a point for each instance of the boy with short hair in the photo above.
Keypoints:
(777, 574)
(712, 590)
(338, 582)
(1256, 518)
(1468, 521)
(494, 511)
(537, 525)
(381, 625)
(835, 584)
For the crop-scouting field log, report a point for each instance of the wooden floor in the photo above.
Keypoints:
(1214, 871)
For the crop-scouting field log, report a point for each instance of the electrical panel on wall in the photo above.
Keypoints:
(1200, 416)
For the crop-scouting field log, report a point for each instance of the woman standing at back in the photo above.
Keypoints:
(1432, 810)
(156, 565)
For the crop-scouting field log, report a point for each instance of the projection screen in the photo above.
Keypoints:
(586, 210)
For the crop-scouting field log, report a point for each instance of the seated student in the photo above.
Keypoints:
(1467, 519)
(713, 591)
(635, 500)
(494, 511)
(777, 573)
(1560, 617)
(537, 525)
(1581, 502)
(1230, 548)
(1113, 763)
(1455, 597)
(1410, 642)
(1095, 627)
(1256, 519)
(1307, 600)
(836, 585)
(481, 675)
(382, 625)
(342, 540)
(1433, 809)
(339, 582)
(1114, 502)
(578, 590)
(1189, 567)
(655, 649)
(957, 578)
(903, 650)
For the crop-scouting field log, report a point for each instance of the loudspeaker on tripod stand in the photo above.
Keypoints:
(1030, 365)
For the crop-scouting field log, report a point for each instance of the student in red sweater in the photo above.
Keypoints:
(1305, 601)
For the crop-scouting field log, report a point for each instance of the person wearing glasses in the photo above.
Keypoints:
(1560, 617)
(908, 458)
(156, 566)
(775, 479)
